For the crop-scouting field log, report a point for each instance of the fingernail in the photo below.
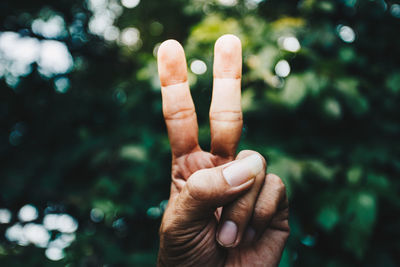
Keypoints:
(249, 235)
(227, 234)
(243, 170)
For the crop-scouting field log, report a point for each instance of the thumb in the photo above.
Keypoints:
(208, 189)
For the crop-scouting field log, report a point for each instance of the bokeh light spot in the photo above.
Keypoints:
(120, 96)
(54, 58)
(308, 240)
(54, 253)
(228, 2)
(61, 85)
(130, 36)
(111, 33)
(290, 44)
(332, 108)
(346, 33)
(154, 212)
(28, 213)
(130, 3)
(96, 215)
(252, 4)
(64, 223)
(395, 10)
(62, 241)
(36, 234)
(282, 68)
(198, 67)
(5, 216)
(163, 205)
(100, 22)
(19, 52)
(52, 28)
(15, 234)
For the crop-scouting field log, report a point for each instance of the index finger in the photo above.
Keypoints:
(178, 108)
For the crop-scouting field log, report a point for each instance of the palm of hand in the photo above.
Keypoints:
(199, 239)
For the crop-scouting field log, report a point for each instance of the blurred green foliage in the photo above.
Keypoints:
(91, 141)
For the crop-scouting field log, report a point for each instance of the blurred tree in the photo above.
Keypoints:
(82, 132)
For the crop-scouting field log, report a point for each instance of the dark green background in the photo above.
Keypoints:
(330, 129)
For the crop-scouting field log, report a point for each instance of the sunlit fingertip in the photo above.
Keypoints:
(228, 43)
(171, 61)
(169, 46)
(228, 57)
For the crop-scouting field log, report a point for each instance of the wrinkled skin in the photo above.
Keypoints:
(192, 241)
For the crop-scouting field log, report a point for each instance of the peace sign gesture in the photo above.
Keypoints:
(225, 111)
(223, 209)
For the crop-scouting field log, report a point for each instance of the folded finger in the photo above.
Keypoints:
(271, 200)
(236, 215)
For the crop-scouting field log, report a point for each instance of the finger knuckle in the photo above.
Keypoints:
(163, 230)
(198, 186)
(180, 114)
(166, 226)
(239, 211)
(195, 192)
(263, 212)
(276, 181)
(226, 115)
(241, 208)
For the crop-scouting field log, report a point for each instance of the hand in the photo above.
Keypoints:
(223, 209)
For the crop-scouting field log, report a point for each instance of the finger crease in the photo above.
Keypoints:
(180, 114)
(226, 115)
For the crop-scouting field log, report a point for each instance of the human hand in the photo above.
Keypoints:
(223, 209)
